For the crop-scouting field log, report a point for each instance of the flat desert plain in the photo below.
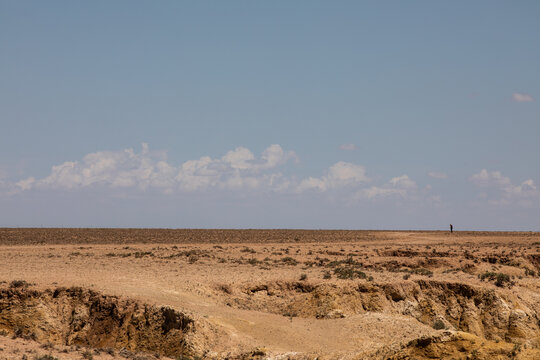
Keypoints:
(280, 294)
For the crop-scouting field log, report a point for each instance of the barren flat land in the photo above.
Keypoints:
(239, 294)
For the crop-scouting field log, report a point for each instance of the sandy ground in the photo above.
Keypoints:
(212, 276)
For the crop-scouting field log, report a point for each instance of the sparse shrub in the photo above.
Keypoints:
(303, 277)
(529, 272)
(327, 275)
(422, 271)
(516, 350)
(502, 279)
(370, 278)
(289, 260)
(226, 288)
(406, 276)
(487, 275)
(18, 284)
(45, 357)
(87, 355)
(248, 250)
(514, 263)
(140, 254)
(439, 325)
(253, 261)
(348, 273)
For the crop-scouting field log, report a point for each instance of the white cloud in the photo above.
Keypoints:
(239, 158)
(237, 169)
(485, 178)
(348, 147)
(400, 187)
(438, 175)
(274, 156)
(520, 97)
(338, 175)
(402, 182)
(508, 191)
(25, 184)
(375, 191)
(312, 183)
(343, 172)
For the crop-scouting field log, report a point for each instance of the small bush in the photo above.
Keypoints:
(422, 271)
(348, 273)
(327, 275)
(87, 355)
(303, 277)
(502, 279)
(18, 284)
(439, 325)
(289, 260)
(529, 272)
(140, 254)
(45, 357)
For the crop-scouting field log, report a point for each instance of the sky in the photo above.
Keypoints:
(270, 114)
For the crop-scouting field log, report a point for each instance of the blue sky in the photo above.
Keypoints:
(305, 114)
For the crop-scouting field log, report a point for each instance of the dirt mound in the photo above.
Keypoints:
(77, 316)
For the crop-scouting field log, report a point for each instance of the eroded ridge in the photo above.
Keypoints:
(486, 313)
(77, 316)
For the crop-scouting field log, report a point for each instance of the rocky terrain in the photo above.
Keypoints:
(187, 294)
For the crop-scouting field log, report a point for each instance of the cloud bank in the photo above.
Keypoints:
(237, 170)
(506, 191)
(398, 187)
(240, 171)
(242, 188)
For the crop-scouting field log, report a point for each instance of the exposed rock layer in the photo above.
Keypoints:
(487, 313)
(77, 316)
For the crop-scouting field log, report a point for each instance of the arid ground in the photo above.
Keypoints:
(187, 294)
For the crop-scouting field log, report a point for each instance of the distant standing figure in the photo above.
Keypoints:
(451, 228)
